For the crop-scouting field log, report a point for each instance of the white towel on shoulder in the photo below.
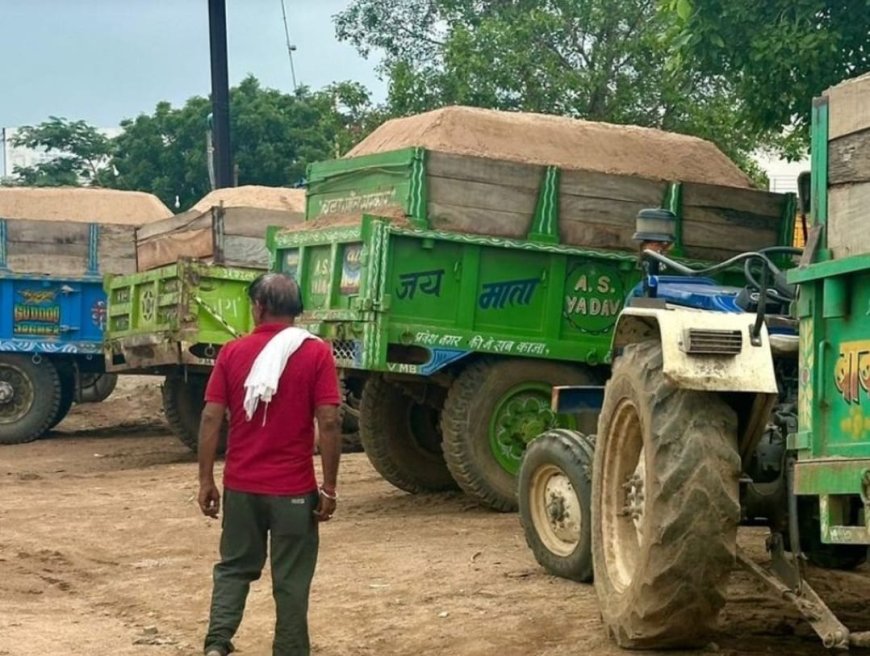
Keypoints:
(262, 381)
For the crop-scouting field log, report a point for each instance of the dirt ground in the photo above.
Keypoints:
(103, 551)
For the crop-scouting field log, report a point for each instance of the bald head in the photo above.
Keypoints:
(275, 296)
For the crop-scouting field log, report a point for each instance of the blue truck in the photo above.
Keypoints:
(52, 302)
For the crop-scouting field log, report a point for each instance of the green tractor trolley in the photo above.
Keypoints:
(452, 340)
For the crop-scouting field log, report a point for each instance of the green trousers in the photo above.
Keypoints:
(290, 526)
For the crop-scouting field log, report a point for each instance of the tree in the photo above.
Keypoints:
(79, 153)
(777, 54)
(604, 60)
(273, 138)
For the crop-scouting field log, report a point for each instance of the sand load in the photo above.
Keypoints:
(227, 227)
(558, 141)
(73, 231)
(532, 176)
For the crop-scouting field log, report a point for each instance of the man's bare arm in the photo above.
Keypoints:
(329, 425)
(209, 435)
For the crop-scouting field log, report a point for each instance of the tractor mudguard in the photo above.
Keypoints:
(708, 351)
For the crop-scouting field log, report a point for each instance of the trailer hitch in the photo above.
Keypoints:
(807, 602)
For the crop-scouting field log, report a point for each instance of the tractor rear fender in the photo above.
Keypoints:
(710, 352)
(705, 351)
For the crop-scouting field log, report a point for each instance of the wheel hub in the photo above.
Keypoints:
(563, 508)
(634, 496)
(7, 392)
(555, 510)
(522, 415)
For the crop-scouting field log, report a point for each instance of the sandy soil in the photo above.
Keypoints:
(81, 204)
(560, 141)
(102, 551)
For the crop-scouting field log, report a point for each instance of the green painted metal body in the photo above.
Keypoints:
(368, 184)
(833, 438)
(175, 315)
(413, 301)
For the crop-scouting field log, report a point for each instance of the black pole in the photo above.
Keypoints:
(220, 93)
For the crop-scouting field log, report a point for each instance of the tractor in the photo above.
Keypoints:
(708, 422)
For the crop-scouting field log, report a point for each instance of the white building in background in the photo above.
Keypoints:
(782, 175)
(12, 156)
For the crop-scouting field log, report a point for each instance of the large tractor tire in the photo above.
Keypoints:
(67, 395)
(183, 401)
(401, 438)
(30, 396)
(665, 506)
(827, 556)
(555, 497)
(494, 409)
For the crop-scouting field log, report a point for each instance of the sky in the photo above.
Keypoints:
(106, 60)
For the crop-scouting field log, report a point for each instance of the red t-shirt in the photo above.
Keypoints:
(277, 458)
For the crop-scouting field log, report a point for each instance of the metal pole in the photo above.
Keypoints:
(220, 93)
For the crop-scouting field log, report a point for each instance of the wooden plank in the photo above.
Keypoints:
(726, 237)
(481, 169)
(46, 248)
(849, 219)
(725, 216)
(118, 265)
(752, 201)
(189, 220)
(48, 232)
(849, 158)
(712, 255)
(253, 222)
(615, 187)
(59, 264)
(597, 235)
(249, 252)
(117, 249)
(599, 210)
(167, 249)
(453, 218)
(848, 103)
(482, 196)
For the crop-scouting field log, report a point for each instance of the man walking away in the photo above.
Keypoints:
(274, 382)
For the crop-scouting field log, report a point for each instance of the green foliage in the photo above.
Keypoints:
(82, 152)
(273, 137)
(601, 60)
(777, 54)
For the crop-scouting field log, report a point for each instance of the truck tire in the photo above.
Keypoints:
(665, 506)
(96, 388)
(493, 410)
(183, 401)
(67, 395)
(555, 497)
(30, 395)
(402, 438)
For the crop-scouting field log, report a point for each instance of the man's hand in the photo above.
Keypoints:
(329, 426)
(209, 499)
(209, 435)
(325, 509)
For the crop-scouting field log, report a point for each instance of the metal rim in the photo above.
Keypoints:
(555, 510)
(18, 392)
(521, 414)
(623, 499)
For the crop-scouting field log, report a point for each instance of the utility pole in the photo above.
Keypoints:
(220, 93)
